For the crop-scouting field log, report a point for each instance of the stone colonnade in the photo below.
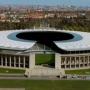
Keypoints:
(17, 61)
(70, 61)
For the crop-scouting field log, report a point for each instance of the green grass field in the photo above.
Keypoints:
(4, 70)
(44, 59)
(46, 84)
(77, 71)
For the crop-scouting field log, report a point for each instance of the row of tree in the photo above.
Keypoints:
(79, 24)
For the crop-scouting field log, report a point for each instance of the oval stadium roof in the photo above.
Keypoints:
(8, 40)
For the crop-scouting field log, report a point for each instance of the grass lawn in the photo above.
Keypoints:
(77, 71)
(4, 70)
(44, 59)
(46, 84)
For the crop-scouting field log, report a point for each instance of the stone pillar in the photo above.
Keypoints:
(1, 60)
(70, 61)
(79, 61)
(57, 61)
(65, 61)
(84, 61)
(88, 62)
(31, 61)
(19, 62)
(24, 62)
(10, 61)
(5, 60)
(14, 61)
(75, 62)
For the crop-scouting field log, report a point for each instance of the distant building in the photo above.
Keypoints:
(70, 15)
(35, 15)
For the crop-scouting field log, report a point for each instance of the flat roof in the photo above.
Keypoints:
(81, 40)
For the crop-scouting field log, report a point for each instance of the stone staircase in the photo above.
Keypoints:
(44, 72)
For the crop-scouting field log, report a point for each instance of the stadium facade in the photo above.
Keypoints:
(18, 48)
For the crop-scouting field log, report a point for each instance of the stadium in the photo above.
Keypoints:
(57, 49)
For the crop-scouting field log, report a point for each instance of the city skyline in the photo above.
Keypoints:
(47, 2)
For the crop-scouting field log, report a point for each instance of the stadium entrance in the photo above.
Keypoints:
(45, 60)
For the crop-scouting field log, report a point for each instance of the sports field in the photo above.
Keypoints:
(44, 59)
(82, 71)
(46, 84)
(15, 71)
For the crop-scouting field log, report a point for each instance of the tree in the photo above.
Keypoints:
(81, 28)
(75, 28)
(65, 27)
(86, 29)
(70, 28)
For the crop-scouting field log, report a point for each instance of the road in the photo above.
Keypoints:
(22, 77)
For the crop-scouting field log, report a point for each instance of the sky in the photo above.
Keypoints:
(47, 2)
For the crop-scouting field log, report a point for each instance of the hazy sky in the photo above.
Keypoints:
(47, 2)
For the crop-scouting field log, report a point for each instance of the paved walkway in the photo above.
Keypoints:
(12, 88)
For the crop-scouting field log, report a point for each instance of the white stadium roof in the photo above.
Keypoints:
(8, 40)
